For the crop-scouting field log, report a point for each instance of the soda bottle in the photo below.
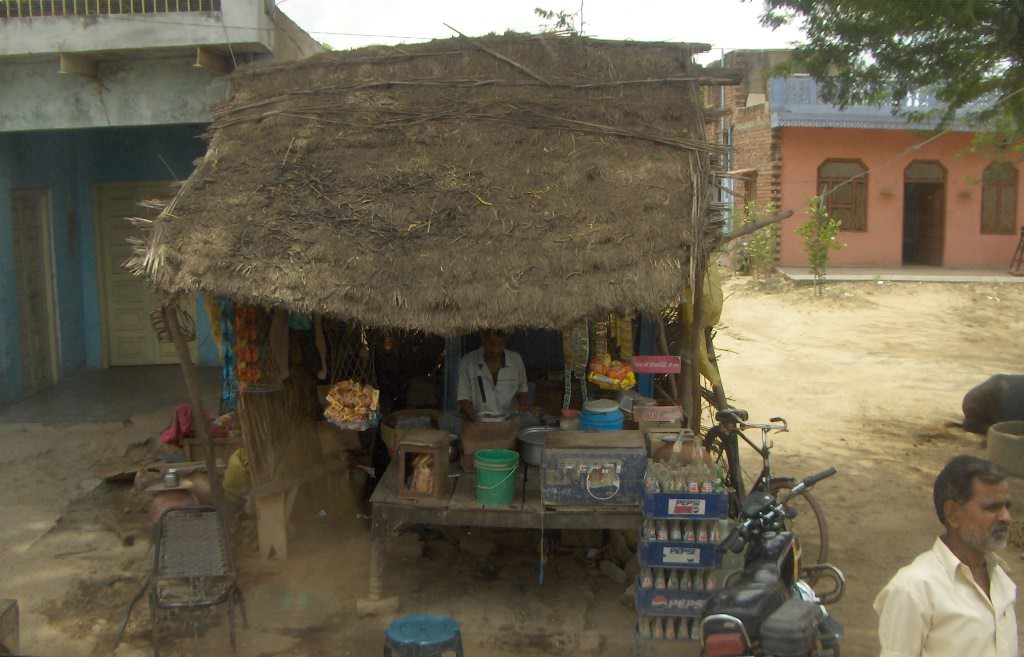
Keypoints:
(645, 626)
(719, 485)
(715, 535)
(675, 532)
(685, 581)
(692, 478)
(678, 479)
(650, 480)
(661, 530)
(705, 474)
(659, 579)
(670, 629)
(657, 628)
(710, 583)
(702, 532)
(646, 578)
(698, 580)
(689, 535)
(672, 583)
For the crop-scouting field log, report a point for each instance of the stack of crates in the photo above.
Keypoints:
(680, 567)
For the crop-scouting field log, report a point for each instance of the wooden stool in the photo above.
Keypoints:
(422, 635)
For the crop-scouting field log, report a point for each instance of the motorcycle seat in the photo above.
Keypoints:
(748, 601)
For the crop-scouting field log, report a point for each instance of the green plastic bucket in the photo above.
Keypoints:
(495, 476)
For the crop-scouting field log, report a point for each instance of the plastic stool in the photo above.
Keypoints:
(422, 635)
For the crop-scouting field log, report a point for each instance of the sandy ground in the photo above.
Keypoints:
(870, 377)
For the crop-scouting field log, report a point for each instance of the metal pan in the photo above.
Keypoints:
(530, 442)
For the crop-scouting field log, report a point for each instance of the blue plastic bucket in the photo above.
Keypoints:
(606, 421)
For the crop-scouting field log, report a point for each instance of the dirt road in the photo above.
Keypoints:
(870, 376)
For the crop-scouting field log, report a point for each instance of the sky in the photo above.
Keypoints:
(724, 24)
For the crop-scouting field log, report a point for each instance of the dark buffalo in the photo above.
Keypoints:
(999, 399)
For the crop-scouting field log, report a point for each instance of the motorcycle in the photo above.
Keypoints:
(767, 609)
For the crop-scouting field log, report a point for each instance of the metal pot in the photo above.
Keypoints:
(530, 442)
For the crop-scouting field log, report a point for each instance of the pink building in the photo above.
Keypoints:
(904, 196)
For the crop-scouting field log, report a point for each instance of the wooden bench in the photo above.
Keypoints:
(274, 502)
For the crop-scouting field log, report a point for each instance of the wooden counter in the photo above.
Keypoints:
(460, 508)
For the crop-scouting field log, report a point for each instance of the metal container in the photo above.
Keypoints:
(530, 443)
(171, 478)
(593, 467)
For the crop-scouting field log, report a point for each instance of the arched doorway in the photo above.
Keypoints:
(924, 213)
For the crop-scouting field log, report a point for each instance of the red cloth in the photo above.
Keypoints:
(181, 427)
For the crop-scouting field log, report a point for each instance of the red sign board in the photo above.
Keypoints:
(654, 413)
(655, 364)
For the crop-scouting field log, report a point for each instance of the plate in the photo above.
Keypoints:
(491, 416)
(601, 406)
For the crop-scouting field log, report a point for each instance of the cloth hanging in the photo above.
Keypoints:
(229, 377)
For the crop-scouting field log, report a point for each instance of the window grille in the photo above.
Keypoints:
(46, 8)
(844, 185)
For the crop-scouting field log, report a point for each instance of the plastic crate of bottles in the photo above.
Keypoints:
(685, 505)
(667, 636)
(678, 555)
(674, 591)
(691, 489)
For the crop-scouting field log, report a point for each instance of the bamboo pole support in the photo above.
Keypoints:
(202, 427)
(692, 382)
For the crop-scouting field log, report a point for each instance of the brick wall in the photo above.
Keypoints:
(755, 145)
(755, 148)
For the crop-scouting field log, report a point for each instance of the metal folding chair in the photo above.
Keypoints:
(192, 568)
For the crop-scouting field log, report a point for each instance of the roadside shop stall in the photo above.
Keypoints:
(515, 181)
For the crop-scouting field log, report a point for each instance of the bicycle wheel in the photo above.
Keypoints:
(809, 524)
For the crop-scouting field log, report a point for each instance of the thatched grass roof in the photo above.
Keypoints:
(504, 181)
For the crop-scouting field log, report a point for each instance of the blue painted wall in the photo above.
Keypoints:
(10, 372)
(69, 163)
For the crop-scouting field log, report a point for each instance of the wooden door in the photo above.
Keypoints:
(128, 300)
(33, 278)
(924, 213)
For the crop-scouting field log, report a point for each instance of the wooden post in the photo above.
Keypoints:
(673, 379)
(696, 335)
(202, 427)
(719, 388)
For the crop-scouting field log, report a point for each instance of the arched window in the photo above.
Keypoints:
(844, 184)
(999, 199)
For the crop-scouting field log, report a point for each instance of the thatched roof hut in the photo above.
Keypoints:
(518, 181)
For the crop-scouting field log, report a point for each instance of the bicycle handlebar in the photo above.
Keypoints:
(784, 426)
(740, 417)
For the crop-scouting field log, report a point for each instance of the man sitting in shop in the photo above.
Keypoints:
(492, 379)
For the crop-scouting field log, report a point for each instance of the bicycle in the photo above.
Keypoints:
(805, 516)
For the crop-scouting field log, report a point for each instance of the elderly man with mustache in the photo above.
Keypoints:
(956, 600)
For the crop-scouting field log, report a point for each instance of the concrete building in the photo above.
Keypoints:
(906, 194)
(103, 104)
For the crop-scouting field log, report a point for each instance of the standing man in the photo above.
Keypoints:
(956, 599)
(492, 379)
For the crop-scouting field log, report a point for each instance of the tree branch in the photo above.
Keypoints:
(747, 229)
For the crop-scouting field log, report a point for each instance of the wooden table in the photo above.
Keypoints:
(460, 508)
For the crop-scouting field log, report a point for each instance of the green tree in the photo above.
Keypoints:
(819, 235)
(559, 22)
(757, 252)
(969, 52)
